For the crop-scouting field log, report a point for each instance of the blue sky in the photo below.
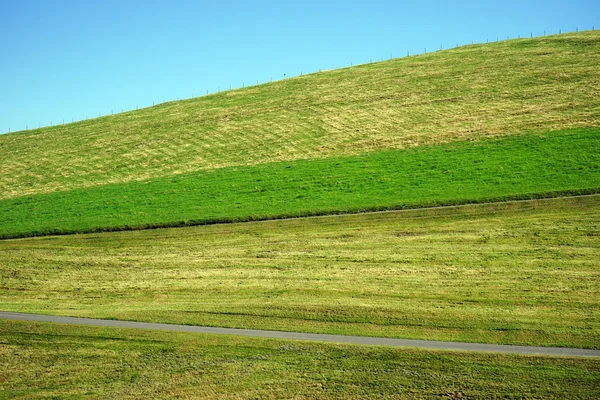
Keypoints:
(75, 59)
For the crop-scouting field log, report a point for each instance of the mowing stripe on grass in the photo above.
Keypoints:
(517, 167)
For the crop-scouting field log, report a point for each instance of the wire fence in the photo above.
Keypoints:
(302, 73)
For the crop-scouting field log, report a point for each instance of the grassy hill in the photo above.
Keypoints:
(516, 119)
(511, 120)
(468, 93)
(530, 166)
(514, 273)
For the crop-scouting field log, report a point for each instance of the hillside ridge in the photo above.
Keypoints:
(468, 93)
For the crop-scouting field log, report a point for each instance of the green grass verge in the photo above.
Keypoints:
(512, 273)
(55, 361)
(470, 93)
(530, 166)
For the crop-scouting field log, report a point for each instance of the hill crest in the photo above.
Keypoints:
(468, 93)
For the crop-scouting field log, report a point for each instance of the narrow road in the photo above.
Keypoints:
(364, 340)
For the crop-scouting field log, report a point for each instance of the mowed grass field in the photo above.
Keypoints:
(528, 166)
(468, 93)
(56, 361)
(513, 120)
(515, 273)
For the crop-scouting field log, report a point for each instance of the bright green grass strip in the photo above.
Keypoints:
(509, 273)
(564, 162)
(56, 361)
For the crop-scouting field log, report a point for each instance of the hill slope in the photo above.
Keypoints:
(516, 167)
(473, 92)
(514, 273)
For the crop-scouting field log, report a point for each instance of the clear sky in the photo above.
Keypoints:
(68, 59)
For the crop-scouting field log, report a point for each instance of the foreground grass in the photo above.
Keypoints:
(472, 92)
(562, 162)
(50, 360)
(516, 273)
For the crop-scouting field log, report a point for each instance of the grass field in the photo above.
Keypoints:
(469, 93)
(562, 162)
(515, 273)
(512, 120)
(55, 361)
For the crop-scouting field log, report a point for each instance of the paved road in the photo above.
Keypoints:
(424, 344)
